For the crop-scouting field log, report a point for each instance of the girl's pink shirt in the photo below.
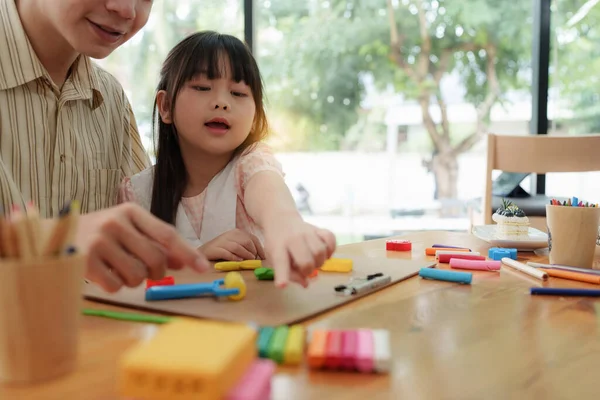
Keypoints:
(259, 158)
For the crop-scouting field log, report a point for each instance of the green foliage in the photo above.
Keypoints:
(326, 46)
(574, 61)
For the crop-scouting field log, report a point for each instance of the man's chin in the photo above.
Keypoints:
(96, 52)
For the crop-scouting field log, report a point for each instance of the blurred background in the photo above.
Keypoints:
(378, 107)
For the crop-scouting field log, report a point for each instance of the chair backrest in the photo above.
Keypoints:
(538, 154)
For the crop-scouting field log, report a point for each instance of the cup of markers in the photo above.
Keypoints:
(573, 232)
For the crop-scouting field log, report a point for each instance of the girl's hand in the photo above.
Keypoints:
(295, 249)
(233, 245)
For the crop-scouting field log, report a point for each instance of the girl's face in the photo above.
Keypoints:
(213, 116)
(96, 27)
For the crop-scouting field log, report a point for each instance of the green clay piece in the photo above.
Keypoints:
(154, 319)
(264, 338)
(264, 274)
(277, 343)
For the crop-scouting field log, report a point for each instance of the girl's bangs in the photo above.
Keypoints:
(208, 55)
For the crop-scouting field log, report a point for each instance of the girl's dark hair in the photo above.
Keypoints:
(201, 52)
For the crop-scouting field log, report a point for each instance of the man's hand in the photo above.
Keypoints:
(126, 244)
(234, 245)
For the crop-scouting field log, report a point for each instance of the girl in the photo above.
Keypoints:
(222, 189)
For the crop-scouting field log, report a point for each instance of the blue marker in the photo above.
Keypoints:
(443, 275)
(566, 291)
(189, 290)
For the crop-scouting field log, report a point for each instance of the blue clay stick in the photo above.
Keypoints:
(443, 275)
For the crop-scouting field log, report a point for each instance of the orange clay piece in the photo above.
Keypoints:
(430, 251)
(317, 349)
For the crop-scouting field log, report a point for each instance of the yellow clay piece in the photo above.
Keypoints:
(188, 359)
(294, 345)
(250, 264)
(337, 265)
(235, 280)
(227, 266)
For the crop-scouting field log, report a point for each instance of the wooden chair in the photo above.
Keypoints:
(538, 154)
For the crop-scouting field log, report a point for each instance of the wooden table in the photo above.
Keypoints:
(488, 340)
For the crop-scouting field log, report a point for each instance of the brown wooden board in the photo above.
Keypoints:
(264, 304)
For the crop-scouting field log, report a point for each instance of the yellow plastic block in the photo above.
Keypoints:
(250, 264)
(337, 265)
(228, 266)
(294, 345)
(188, 359)
(235, 280)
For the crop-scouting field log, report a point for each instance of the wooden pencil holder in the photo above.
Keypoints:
(40, 306)
(572, 235)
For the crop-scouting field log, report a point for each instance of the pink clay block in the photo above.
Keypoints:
(475, 264)
(256, 382)
(364, 350)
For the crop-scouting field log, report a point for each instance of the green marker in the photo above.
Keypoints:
(277, 344)
(154, 319)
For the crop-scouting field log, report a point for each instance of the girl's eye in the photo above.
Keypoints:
(239, 94)
(201, 88)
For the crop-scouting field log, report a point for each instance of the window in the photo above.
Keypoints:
(380, 122)
(574, 95)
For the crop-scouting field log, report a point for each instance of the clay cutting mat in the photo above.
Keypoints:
(264, 304)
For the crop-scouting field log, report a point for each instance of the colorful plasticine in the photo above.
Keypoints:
(294, 345)
(381, 350)
(277, 343)
(362, 350)
(317, 349)
(444, 275)
(334, 349)
(250, 264)
(454, 252)
(264, 337)
(227, 266)
(174, 364)
(431, 251)
(337, 265)
(349, 349)
(398, 245)
(480, 265)
(446, 246)
(238, 265)
(498, 253)
(264, 274)
(445, 257)
(166, 281)
(256, 382)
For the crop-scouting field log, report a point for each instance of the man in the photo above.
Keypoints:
(67, 132)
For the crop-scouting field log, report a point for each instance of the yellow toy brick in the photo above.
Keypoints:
(228, 266)
(337, 265)
(188, 359)
(294, 346)
(251, 264)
